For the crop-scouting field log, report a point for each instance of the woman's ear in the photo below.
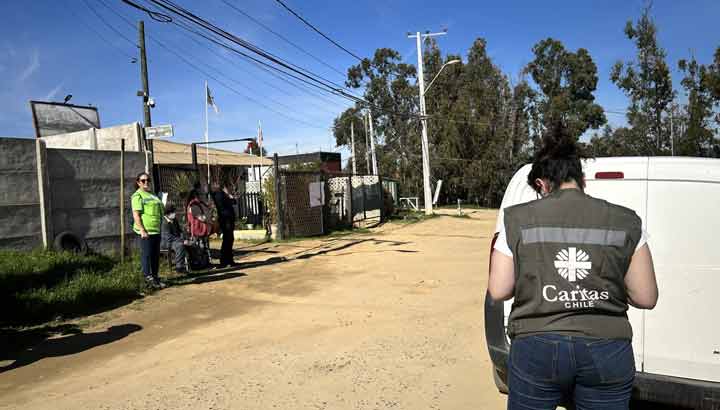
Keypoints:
(543, 186)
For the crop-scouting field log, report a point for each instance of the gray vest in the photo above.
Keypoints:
(571, 252)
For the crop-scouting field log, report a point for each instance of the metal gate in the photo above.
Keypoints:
(301, 215)
(251, 207)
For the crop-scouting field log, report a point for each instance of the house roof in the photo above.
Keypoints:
(168, 152)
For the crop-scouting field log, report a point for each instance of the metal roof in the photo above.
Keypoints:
(168, 152)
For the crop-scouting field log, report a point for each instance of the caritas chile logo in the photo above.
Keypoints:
(573, 264)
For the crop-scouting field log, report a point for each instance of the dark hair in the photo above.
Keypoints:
(558, 160)
(137, 178)
(190, 196)
(169, 209)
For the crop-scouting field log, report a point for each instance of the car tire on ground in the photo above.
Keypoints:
(70, 242)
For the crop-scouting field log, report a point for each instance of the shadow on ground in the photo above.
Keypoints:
(27, 346)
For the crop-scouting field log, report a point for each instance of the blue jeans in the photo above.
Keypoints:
(150, 255)
(547, 370)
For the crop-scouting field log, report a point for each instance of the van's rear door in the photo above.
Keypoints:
(682, 333)
(622, 181)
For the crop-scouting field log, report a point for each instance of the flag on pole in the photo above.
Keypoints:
(211, 100)
(260, 138)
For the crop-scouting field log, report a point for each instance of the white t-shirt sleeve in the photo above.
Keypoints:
(501, 245)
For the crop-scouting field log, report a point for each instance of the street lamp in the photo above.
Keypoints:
(451, 62)
(423, 120)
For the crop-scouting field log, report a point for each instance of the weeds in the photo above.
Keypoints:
(39, 286)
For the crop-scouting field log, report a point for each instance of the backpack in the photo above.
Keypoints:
(197, 227)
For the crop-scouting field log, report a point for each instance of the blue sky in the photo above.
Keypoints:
(52, 48)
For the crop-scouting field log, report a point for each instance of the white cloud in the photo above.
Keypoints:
(51, 95)
(32, 67)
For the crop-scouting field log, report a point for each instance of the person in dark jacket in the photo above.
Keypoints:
(173, 237)
(573, 264)
(225, 205)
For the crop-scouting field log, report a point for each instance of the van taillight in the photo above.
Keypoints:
(609, 175)
(492, 246)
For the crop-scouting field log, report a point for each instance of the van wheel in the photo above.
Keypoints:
(69, 242)
(501, 385)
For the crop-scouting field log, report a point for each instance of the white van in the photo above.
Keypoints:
(677, 344)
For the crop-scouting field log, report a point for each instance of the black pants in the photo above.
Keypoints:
(150, 256)
(228, 238)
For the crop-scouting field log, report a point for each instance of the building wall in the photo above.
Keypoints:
(19, 198)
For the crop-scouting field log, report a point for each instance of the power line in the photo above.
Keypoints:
(295, 71)
(102, 19)
(280, 36)
(220, 55)
(199, 69)
(258, 63)
(101, 36)
(307, 23)
(191, 64)
(189, 16)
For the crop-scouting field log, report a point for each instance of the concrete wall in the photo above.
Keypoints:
(83, 195)
(19, 200)
(107, 139)
(79, 140)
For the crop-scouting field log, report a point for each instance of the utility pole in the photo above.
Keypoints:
(352, 142)
(145, 94)
(372, 143)
(367, 144)
(672, 131)
(423, 118)
(144, 75)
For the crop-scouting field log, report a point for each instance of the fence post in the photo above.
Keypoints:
(364, 200)
(382, 198)
(350, 203)
(43, 181)
(278, 207)
(122, 200)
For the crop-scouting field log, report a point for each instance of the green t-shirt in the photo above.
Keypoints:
(151, 211)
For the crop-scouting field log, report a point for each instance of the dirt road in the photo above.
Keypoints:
(391, 319)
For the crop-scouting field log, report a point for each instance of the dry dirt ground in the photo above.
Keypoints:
(390, 319)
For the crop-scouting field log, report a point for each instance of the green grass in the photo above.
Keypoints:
(41, 286)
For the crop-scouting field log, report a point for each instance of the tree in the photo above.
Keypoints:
(393, 101)
(254, 149)
(648, 85)
(566, 81)
(342, 132)
(697, 136)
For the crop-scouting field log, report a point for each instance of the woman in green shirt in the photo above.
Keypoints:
(147, 213)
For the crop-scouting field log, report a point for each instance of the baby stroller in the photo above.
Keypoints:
(199, 227)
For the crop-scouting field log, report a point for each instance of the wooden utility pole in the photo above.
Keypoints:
(144, 76)
(146, 103)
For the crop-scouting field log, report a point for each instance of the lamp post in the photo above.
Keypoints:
(423, 119)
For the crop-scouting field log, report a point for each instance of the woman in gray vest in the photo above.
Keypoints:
(573, 264)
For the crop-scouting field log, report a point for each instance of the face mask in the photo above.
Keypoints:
(171, 216)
